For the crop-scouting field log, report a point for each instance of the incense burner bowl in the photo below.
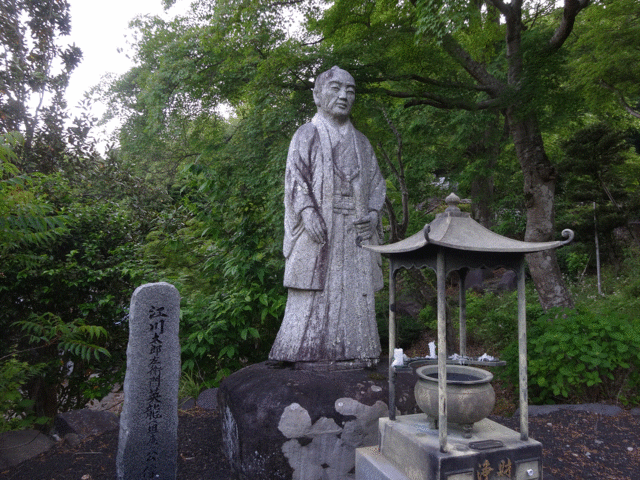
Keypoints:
(470, 396)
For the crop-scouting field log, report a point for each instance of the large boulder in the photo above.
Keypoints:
(508, 282)
(475, 278)
(283, 423)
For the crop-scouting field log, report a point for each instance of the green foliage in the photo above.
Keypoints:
(492, 319)
(16, 410)
(408, 329)
(589, 354)
(624, 280)
(74, 338)
(585, 355)
(65, 296)
(576, 263)
(604, 53)
(223, 332)
(191, 385)
(211, 104)
(597, 166)
(218, 247)
(25, 220)
(219, 240)
(437, 18)
(9, 141)
(34, 72)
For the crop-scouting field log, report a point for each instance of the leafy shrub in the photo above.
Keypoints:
(16, 410)
(630, 276)
(64, 301)
(223, 332)
(408, 329)
(582, 355)
(221, 247)
(577, 263)
(492, 319)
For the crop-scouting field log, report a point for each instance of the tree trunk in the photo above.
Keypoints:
(486, 150)
(539, 191)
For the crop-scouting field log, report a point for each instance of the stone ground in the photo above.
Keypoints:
(592, 443)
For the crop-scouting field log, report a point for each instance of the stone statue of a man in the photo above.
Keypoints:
(334, 193)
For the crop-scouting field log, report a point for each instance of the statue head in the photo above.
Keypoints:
(334, 93)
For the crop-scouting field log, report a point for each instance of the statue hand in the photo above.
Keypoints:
(366, 225)
(314, 225)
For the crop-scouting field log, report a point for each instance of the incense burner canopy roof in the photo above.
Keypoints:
(457, 230)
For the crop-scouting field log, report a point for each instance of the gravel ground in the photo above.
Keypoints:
(577, 445)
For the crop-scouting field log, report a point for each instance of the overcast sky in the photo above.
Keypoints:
(99, 28)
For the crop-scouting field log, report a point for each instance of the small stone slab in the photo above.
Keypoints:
(186, 403)
(508, 282)
(208, 399)
(148, 440)
(85, 422)
(20, 445)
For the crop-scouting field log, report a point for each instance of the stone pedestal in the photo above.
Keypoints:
(409, 449)
(282, 423)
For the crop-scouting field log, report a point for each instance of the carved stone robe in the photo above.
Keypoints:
(330, 312)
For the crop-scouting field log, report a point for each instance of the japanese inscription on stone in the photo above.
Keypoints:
(147, 447)
(485, 470)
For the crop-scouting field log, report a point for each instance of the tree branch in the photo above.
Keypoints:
(570, 12)
(502, 7)
(444, 103)
(632, 111)
(288, 3)
(437, 83)
(476, 69)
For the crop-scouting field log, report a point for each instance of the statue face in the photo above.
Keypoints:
(337, 95)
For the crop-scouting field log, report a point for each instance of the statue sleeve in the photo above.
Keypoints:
(377, 186)
(299, 182)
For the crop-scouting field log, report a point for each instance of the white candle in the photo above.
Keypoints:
(398, 357)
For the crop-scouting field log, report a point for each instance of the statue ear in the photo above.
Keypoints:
(316, 97)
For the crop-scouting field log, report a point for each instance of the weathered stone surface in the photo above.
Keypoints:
(474, 280)
(72, 439)
(186, 403)
(310, 422)
(334, 193)
(20, 445)
(208, 399)
(85, 422)
(508, 282)
(409, 449)
(148, 440)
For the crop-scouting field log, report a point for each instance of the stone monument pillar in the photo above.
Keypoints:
(148, 441)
